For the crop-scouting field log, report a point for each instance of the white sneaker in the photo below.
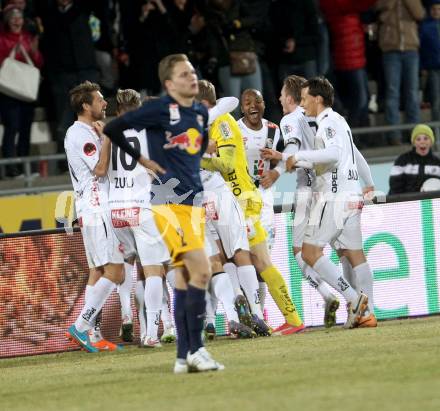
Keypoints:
(205, 352)
(354, 314)
(201, 361)
(169, 335)
(150, 342)
(180, 367)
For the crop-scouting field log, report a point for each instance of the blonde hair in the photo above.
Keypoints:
(206, 92)
(166, 66)
(127, 99)
(293, 85)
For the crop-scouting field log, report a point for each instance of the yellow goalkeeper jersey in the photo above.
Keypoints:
(226, 132)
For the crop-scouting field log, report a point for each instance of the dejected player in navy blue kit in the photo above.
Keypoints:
(177, 137)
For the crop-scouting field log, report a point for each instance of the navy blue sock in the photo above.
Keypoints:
(195, 316)
(180, 321)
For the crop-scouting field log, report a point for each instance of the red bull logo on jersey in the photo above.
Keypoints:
(191, 141)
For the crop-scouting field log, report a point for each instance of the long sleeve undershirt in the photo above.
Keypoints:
(223, 163)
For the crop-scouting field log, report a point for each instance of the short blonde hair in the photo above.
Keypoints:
(206, 92)
(127, 99)
(166, 66)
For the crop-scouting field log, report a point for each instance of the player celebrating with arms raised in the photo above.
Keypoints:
(177, 138)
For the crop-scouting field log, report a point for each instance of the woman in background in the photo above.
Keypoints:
(16, 115)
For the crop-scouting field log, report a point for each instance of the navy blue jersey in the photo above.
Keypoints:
(177, 137)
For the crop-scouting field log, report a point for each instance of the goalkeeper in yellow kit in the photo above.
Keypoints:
(231, 163)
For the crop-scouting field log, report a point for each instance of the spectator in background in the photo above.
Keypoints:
(296, 34)
(69, 54)
(16, 115)
(430, 56)
(323, 47)
(229, 24)
(146, 33)
(101, 21)
(412, 169)
(348, 53)
(32, 23)
(399, 42)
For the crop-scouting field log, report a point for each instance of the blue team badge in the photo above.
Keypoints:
(174, 114)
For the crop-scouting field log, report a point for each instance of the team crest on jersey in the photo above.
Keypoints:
(225, 130)
(330, 132)
(174, 114)
(200, 120)
(89, 149)
(190, 141)
(287, 129)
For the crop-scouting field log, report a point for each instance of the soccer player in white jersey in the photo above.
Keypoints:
(298, 133)
(225, 224)
(336, 211)
(259, 133)
(88, 156)
(132, 218)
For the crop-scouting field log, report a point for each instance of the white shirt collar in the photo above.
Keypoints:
(323, 114)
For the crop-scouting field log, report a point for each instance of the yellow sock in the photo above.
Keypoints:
(280, 294)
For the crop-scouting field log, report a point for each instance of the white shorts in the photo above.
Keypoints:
(225, 217)
(138, 234)
(303, 203)
(100, 241)
(211, 248)
(268, 216)
(335, 223)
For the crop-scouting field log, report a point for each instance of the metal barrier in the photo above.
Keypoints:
(43, 160)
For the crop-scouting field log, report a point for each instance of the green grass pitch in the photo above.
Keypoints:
(393, 367)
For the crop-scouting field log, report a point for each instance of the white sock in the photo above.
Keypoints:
(330, 273)
(364, 279)
(171, 278)
(248, 281)
(314, 279)
(165, 314)
(222, 287)
(347, 269)
(262, 291)
(87, 294)
(210, 309)
(153, 303)
(231, 270)
(101, 291)
(139, 293)
(124, 290)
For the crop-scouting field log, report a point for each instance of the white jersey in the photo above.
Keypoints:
(298, 129)
(213, 182)
(341, 176)
(130, 184)
(83, 146)
(254, 141)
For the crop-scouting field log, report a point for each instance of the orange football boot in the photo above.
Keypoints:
(287, 329)
(368, 321)
(104, 345)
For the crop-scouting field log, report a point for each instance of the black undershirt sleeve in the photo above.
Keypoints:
(115, 132)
